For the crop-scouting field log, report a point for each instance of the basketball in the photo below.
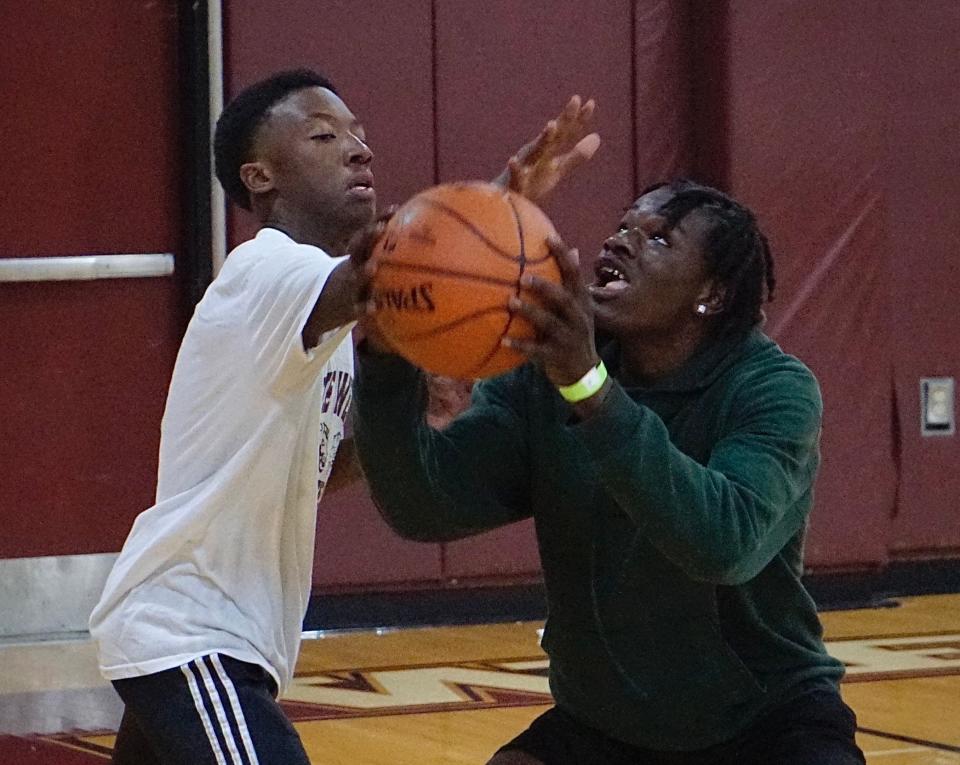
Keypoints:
(449, 261)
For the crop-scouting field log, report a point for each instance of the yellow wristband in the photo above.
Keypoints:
(586, 386)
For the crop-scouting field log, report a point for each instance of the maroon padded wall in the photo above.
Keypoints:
(663, 99)
(799, 128)
(922, 186)
(835, 121)
(810, 112)
(503, 68)
(379, 56)
(92, 165)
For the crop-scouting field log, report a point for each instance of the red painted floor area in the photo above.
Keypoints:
(15, 750)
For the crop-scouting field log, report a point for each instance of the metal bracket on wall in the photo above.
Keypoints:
(85, 267)
(937, 406)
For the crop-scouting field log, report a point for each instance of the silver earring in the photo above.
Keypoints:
(701, 309)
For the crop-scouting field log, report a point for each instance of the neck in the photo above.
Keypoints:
(650, 357)
(307, 228)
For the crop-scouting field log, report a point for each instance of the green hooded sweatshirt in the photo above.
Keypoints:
(670, 526)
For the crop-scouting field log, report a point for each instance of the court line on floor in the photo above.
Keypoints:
(890, 636)
(869, 753)
(911, 740)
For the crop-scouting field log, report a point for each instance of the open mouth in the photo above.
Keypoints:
(610, 278)
(607, 275)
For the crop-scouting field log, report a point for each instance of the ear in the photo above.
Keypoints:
(711, 299)
(257, 177)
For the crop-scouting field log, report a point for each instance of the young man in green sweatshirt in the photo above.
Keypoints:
(670, 477)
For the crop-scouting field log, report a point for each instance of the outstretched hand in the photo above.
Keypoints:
(564, 144)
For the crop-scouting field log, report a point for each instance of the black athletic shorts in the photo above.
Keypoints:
(815, 728)
(212, 711)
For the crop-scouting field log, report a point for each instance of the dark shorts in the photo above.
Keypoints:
(211, 711)
(815, 728)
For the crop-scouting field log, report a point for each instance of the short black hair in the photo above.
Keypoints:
(737, 252)
(233, 137)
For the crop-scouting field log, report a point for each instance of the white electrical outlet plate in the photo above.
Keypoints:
(937, 406)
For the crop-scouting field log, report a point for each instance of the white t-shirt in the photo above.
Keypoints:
(223, 561)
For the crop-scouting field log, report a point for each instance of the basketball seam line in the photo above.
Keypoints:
(522, 261)
(480, 235)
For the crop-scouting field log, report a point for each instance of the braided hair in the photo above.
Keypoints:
(237, 126)
(736, 251)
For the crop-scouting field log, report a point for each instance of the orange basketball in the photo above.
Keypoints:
(449, 261)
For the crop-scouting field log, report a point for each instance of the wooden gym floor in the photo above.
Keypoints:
(454, 694)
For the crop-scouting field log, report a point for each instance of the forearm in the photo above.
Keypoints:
(335, 307)
(429, 485)
(717, 525)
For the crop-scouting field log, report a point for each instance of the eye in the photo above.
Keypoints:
(325, 137)
(660, 239)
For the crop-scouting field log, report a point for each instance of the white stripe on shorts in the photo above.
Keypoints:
(204, 717)
(220, 712)
(237, 710)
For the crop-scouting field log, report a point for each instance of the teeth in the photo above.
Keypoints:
(611, 274)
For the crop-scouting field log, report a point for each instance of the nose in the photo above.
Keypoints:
(615, 244)
(360, 153)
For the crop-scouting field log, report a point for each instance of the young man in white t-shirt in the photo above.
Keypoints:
(199, 624)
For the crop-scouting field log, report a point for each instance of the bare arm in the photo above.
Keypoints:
(335, 305)
(344, 295)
